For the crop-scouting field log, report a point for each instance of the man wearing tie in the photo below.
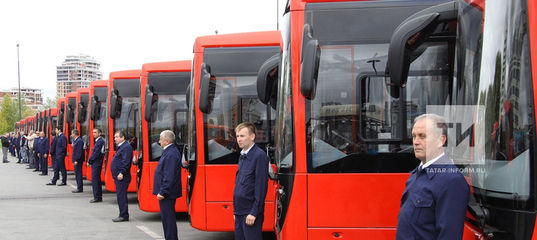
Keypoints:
(60, 151)
(78, 159)
(250, 185)
(42, 152)
(434, 203)
(96, 162)
(167, 183)
(121, 172)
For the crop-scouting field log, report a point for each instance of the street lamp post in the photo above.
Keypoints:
(19, 77)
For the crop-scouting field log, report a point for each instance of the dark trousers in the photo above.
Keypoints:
(60, 167)
(167, 214)
(96, 181)
(78, 175)
(245, 232)
(121, 194)
(38, 162)
(44, 164)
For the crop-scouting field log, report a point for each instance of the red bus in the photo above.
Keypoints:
(342, 150)
(82, 121)
(70, 124)
(488, 51)
(98, 113)
(124, 105)
(225, 96)
(53, 122)
(164, 107)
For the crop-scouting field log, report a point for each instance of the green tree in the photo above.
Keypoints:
(9, 113)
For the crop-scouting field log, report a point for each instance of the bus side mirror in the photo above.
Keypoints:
(149, 95)
(207, 88)
(311, 57)
(411, 34)
(267, 80)
(114, 104)
(81, 112)
(94, 110)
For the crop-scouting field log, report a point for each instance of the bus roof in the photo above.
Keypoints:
(174, 66)
(249, 39)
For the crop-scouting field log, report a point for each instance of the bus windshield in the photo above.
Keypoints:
(168, 111)
(234, 72)
(353, 124)
(128, 119)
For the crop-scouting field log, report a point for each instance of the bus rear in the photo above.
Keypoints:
(225, 95)
(488, 49)
(98, 118)
(163, 99)
(124, 115)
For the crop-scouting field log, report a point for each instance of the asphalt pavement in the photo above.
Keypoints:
(31, 210)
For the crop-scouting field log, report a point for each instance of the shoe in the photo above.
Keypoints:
(120, 219)
(51, 183)
(76, 191)
(43, 174)
(62, 184)
(95, 200)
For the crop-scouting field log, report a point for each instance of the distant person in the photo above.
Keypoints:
(32, 149)
(43, 151)
(53, 149)
(96, 162)
(433, 205)
(250, 185)
(78, 159)
(167, 183)
(5, 147)
(60, 151)
(37, 161)
(121, 172)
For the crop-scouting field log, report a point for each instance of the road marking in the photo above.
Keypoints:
(149, 232)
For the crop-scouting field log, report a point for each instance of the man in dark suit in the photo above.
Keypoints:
(96, 162)
(433, 205)
(167, 183)
(42, 153)
(78, 159)
(60, 151)
(121, 172)
(250, 185)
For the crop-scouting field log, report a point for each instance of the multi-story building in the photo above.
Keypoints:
(76, 72)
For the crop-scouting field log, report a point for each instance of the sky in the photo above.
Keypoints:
(120, 34)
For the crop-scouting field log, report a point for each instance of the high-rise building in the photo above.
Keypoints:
(76, 72)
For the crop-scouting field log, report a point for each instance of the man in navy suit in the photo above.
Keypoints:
(78, 159)
(60, 151)
(121, 172)
(250, 185)
(42, 153)
(37, 162)
(96, 162)
(433, 205)
(167, 183)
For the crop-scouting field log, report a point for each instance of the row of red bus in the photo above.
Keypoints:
(333, 96)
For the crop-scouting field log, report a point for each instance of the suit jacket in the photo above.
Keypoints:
(167, 179)
(97, 156)
(433, 205)
(78, 151)
(61, 146)
(52, 147)
(42, 146)
(121, 162)
(251, 183)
